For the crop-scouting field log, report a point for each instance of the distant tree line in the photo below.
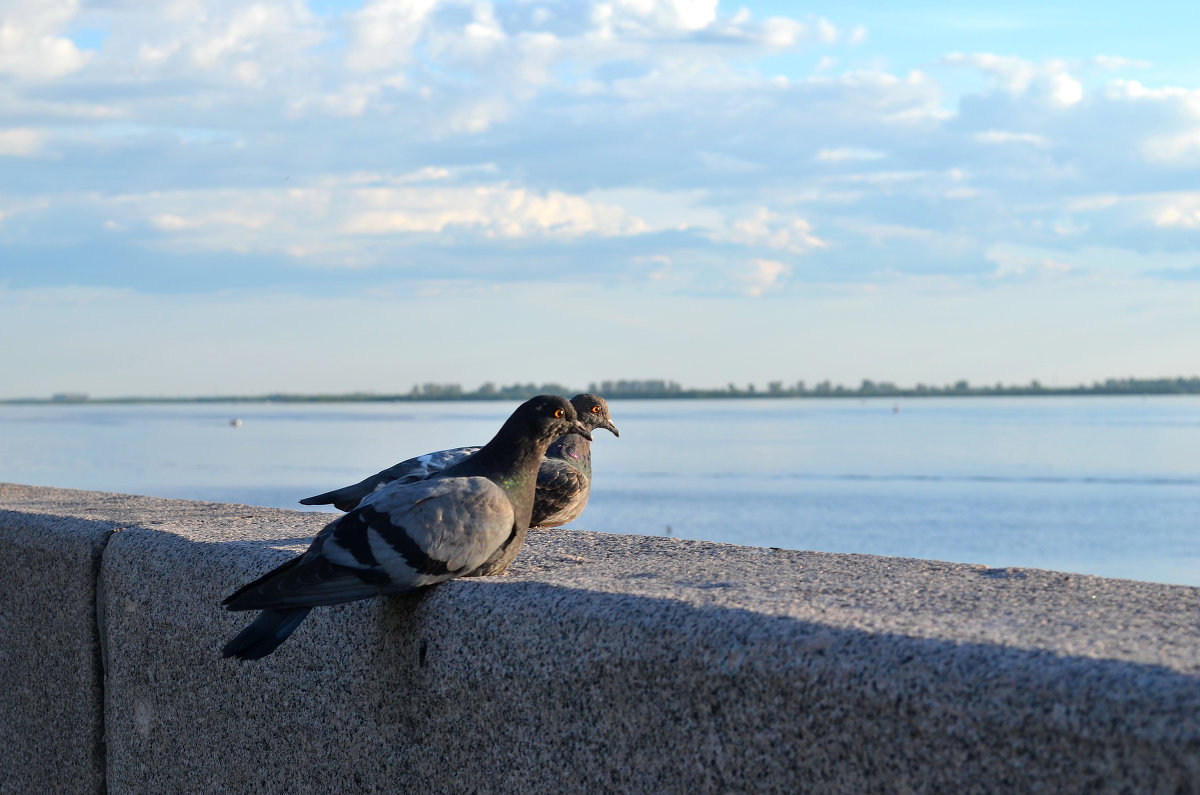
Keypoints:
(870, 388)
(660, 389)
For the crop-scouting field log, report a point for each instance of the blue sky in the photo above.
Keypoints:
(219, 197)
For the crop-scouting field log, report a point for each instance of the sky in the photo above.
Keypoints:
(222, 197)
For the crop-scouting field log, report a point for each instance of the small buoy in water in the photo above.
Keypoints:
(236, 422)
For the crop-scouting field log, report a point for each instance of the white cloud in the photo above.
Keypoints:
(769, 229)
(383, 33)
(475, 116)
(664, 210)
(1181, 148)
(495, 211)
(882, 234)
(1065, 89)
(1169, 134)
(1001, 137)
(210, 220)
(1048, 81)
(351, 99)
(661, 265)
(781, 33)
(763, 275)
(31, 46)
(153, 55)
(1102, 201)
(1181, 212)
(21, 142)
(653, 16)
(859, 99)
(1009, 73)
(842, 154)
(826, 31)
(327, 222)
(1116, 63)
(249, 45)
(480, 39)
(1133, 89)
(476, 69)
(1010, 265)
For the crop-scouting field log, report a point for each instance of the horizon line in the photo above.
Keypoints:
(659, 389)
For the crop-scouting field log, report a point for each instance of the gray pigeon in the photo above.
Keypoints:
(563, 483)
(407, 536)
(565, 476)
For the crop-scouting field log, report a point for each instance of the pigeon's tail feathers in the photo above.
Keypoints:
(307, 583)
(347, 498)
(320, 499)
(344, 499)
(234, 599)
(265, 633)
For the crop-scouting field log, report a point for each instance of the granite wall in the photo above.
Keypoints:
(600, 663)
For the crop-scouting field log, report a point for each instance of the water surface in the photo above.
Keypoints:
(1101, 485)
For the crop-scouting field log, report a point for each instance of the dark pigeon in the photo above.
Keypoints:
(564, 478)
(407, 536)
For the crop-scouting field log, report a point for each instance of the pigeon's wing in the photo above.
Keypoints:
(429, 464)
(410, 471)
(562, 493)
(400, 538)
(421, 533)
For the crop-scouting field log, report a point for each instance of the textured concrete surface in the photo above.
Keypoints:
(625, 663)
(50, 702)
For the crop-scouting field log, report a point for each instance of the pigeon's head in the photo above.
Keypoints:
(593, 412)
(547, 417)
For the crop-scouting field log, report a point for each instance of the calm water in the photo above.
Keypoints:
(1100, 485)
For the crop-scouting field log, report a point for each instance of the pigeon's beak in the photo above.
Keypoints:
(582, 430)
(608, 425)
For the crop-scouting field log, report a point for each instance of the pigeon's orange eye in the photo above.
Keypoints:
(595, 409)
(558, 414)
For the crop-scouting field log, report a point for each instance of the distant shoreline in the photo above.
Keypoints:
(665, 390)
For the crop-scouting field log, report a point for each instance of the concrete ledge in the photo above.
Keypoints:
(625, 663)
(51, 721)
